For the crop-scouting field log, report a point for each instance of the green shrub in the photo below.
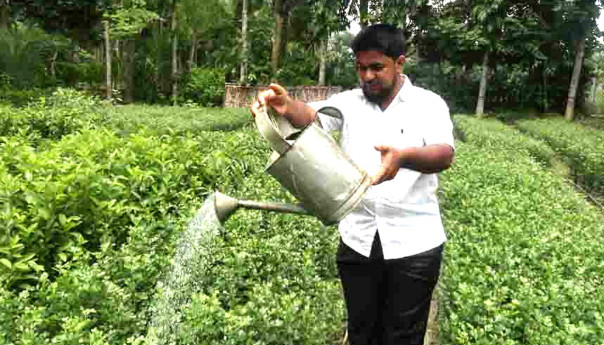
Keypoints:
(177, 120)
(102, 213)
(492, 133)
(21, 98)
(583, 147)
(521, 265)
(68, 73)
(89, 188)
(91, 72)
(205, 86)
(64, 112)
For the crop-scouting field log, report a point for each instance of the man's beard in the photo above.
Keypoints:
(377, 96)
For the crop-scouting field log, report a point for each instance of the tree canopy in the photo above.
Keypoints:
(522, 52)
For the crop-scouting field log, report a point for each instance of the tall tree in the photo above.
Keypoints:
(196, 23)
(326, 17)
(174, 56)
(244, 53)
(482, 90)
(279, 14)
(128, 19)
(322, 61)
(581, 17)
(4, 14)
(108, 77)
(490, 18)
(569, 114)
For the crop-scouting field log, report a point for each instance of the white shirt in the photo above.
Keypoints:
(405, 209)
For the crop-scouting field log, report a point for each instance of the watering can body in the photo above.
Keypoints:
(310, 164)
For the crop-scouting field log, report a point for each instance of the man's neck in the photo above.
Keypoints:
(398, 84)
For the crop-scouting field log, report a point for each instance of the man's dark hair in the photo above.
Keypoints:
(383, 38)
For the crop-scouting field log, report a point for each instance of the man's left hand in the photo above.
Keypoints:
(391, 163)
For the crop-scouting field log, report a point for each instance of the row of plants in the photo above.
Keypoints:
(67, 111)
(176, 120)
(50, 117)
(91, 219)
(522, 265)
(493, 133)
(581, 146)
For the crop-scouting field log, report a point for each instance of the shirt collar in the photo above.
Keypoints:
(405, 93)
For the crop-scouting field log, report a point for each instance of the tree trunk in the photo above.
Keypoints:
(277, 37)
(363, 13)
(118, 76)
(483, 85)
(129, 69)
(322, 60)
(52, 66)
(4, 14)
(243, 72)
(594, 88)
(75, 53)
(574, 82)
(108, 88)
(174, 75)
(192, 52)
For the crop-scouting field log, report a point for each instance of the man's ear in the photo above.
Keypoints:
(398, 63)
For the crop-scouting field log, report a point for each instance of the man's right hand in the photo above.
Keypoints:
(298, 113)
(276, 97)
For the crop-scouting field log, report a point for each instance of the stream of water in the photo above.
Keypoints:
(192, 259)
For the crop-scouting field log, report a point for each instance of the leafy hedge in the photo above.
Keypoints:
(63, 112)
(205, 86)
(523, 264)
(582, 146)
(176, 120)
(493, 133)
(92, 217)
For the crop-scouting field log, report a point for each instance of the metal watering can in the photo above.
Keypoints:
(310, 165)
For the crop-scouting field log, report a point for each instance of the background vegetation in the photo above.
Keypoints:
(527, 55)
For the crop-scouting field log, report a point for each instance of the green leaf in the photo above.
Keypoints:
(22, 267)
(62, 220)
(6, 263)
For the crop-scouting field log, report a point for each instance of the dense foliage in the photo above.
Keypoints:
(92, 214)
(582, 147)
(96, 197)
(489, 132)
(172, 50)
(521, 266)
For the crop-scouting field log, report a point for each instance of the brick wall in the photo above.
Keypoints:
(241, 96)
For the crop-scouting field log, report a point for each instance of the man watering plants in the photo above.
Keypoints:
(391, 245)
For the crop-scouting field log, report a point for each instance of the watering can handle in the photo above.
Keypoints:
(330, 111)
(269, 130)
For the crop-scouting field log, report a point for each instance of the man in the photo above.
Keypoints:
(391, 245)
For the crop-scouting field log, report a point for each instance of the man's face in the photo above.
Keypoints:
(378, 74)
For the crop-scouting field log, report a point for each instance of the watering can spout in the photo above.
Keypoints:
(225, 206)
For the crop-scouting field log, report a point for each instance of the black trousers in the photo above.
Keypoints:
(388, 301)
